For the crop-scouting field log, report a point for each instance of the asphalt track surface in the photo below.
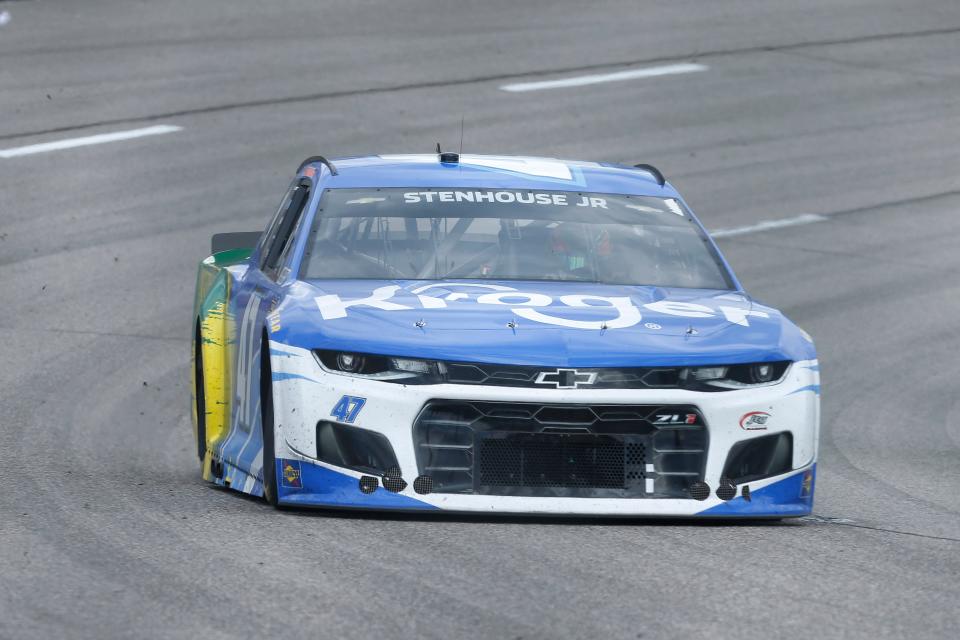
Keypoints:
(846, 110)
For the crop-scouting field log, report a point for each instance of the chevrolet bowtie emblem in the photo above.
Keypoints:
(566, 378)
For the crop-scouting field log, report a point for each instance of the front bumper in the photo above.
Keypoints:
(305, 394)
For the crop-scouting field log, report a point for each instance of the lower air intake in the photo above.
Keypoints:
(699, 491)
(552, 460)
(560, 450)
(423, 485)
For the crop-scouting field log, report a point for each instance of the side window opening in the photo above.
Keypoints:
(291, 240)
(271, 231)
(276, 248)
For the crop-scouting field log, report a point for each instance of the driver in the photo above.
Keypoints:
(578, 250)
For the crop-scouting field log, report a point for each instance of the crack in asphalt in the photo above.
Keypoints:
(893, 203)
(843, 522)
(310, 97)
(850, 64)
(105, 334)
(830, 215)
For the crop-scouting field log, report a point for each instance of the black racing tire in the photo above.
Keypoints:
(199, 394)
(266, 421)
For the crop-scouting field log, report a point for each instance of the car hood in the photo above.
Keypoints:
(537, 322)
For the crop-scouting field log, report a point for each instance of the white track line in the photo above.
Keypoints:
(619, 76)
(102, 138)
(808, 218)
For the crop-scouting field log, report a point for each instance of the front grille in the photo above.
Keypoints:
(551, 460)
(569, 450)
(502, 375)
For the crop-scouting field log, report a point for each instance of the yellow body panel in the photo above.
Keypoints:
(216, 331)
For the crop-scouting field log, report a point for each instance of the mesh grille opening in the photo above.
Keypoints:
(552, 460)
(529, 449)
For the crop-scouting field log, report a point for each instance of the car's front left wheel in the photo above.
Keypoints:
(266, 422)
(199, 395)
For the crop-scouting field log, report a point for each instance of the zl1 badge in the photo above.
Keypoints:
(348, 408)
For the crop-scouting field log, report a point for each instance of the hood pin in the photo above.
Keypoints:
(691, 331)
(513, 324)
(420, 324)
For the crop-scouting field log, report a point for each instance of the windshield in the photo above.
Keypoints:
(474, 233)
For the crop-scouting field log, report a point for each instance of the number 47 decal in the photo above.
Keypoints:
(347, 408)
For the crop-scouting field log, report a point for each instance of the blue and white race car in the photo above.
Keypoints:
(497, 335)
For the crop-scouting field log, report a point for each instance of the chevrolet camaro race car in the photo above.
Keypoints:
(497, 335)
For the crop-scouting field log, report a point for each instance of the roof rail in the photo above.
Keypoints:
(321, 159)
(652, 170)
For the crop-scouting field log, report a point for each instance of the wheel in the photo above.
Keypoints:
(266, 422)
(201, 401)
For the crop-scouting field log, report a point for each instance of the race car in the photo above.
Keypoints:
(495, 334)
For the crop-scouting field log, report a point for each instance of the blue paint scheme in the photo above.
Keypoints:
(472, 332)
(278, 352)
(325, 486)
(251, 297)
(468, 331)
(782, 498)
(812, 387)
(427, 171)
(277, 377)
(237, 478)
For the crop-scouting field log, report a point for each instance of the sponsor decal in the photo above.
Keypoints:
(504, 197)
(368, 200)
(643, 208)
(806, 486)
(290, 474)
(754, 421)
(348, 408)
(675, 418)
(652, 325)
(674, 206)
(534, 306)
(566, 378)
(274, 320)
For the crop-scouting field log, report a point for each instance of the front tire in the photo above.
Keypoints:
(266, 422)
(199, 394)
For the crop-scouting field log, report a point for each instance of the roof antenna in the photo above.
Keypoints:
(438, 149)
(461, 135)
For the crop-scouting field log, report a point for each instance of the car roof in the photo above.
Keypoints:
(492, 172)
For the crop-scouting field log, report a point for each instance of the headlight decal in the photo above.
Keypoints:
(405, 370)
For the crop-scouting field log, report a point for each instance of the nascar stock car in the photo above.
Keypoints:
(500, 335)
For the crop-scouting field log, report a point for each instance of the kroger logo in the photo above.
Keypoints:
(529, 305)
